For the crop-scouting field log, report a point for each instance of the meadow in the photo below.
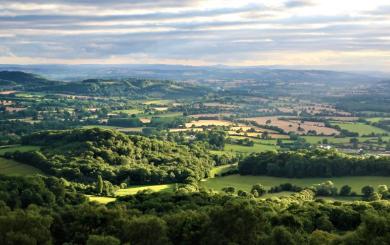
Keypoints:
(221, 169)
(21, 148)
(246, 182)
(131, 191)
(13, 168)
(250, 149)
(134, 189)
(360, 128)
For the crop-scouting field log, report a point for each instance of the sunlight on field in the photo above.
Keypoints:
(250, 149)
(135, 189)
(221, 169)
(102, 200)
(200, 123)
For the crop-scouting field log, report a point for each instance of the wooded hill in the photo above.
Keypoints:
(82, 155)
(129, 87)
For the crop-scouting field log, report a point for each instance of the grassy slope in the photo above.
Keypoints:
(23, 148)
(246, 182)
(361, 128)
(249, 149)
(134, 189)
(10, 167)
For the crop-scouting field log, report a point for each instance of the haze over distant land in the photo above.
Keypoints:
(348, 35)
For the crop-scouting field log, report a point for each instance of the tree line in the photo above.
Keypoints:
(313, 163)
(183, 218)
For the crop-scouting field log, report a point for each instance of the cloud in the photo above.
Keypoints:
(200, 31)
(298, 3)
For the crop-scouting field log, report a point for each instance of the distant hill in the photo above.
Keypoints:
(200, 74)
(22, 78)
(133, 87)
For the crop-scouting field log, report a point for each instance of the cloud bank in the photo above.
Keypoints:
(350, 34)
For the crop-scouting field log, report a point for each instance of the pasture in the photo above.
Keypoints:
(101, 200)
(13, 168)
(134, 189)
(128, 111)
(246, 182)
(200, 123)
(250, 149)
(360, 128)
(294, 126)
(221, 169)
(21, 148)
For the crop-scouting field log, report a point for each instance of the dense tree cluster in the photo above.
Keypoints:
(193, 218)
(315, 163)
(20, 192)
(82, 155)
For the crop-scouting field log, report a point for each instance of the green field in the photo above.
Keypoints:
(101, 126)
(221, 169)
(102, 200)
(134, 189)
(21, 148)
(361, 128)
(376, 119)
(129, 111)
(331, 140)
(250, 149)
(344, 140)
(167, 114)
(157, 102)
(245, 182)
(10, 167)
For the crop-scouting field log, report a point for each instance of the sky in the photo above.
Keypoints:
(329, 34)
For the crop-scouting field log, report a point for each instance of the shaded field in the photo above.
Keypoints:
(245, 182)
(21, 148)
(11, 167)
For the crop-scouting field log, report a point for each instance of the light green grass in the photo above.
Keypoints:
(100, 126)
(13, 168)
(168, 114)
(102, 200)
(222, 169)
(360, 128)
(28, 95)
(129, 111)
(157, 102)
(134, 189)
(376, 119)
(21, 148)
(345, 140)
(331, 140)
(245, 182)
(250, 149)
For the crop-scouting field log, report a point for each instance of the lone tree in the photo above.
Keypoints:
(345, 190)
(367, 191)
(99, 187)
